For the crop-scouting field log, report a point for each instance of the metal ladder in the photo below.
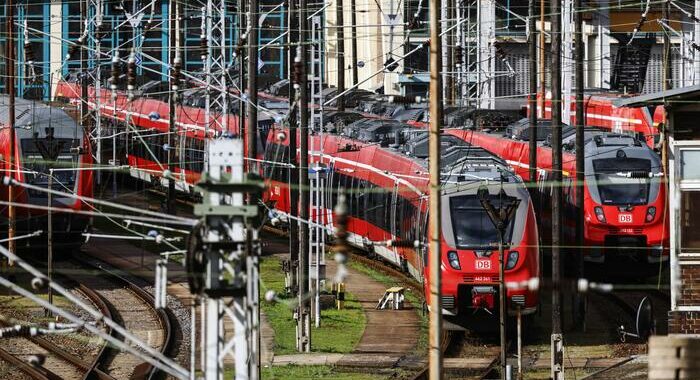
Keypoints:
(468, 35)
(317, 174)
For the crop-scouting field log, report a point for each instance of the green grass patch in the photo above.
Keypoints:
(414, 299)
(315, 372)
(340, 330)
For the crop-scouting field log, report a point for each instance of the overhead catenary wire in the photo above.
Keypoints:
(144, 350)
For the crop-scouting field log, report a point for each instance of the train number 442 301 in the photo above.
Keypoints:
(625, 218)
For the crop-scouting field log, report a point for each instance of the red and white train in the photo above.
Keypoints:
(625, 202)
(387, 200)
(601, 112)
(47, 140)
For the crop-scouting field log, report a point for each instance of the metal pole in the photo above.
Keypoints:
(173, 56)
(435, 260)
(292, 38)
(668, 84)
(10, 84)
(252, 125)
(304, 301)
(532, 44)
(668, 73)
(557, 370)
(252, 235)
(49, 266)
(449, 46)
(353, 41)
(580, 168)
(520, 343)
(241, 66)
(502, 294)
(543, 60)
(84, 81)
(340, 53)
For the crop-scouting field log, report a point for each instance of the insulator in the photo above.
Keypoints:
(403, 243)
(458, 51)
(74, 48)
(28, 53)
(298, 67)
(18, 331)
(131, 74)
(100, 32)
(398, 99)
(149, 25)
(175, 76)
(115, 71)
(203, 46)
(499, 50)
(203, 43)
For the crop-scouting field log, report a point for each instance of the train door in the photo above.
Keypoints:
(421, 232)
(393, 222)
(331, 196)
(393, 211)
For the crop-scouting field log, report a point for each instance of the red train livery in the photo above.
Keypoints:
(46, 138)
(624, 197)
(387, 200)
(146, 143)
(601, 112)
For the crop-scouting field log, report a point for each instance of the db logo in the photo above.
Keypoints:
(625, 218)
(482, 264)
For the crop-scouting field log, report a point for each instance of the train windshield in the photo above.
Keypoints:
(622, 181)
(472, 226)
(38, 161)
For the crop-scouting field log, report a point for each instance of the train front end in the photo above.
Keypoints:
(624, 201)
(52, 152)
(470, 253)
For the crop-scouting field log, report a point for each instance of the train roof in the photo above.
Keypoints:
(460, 161)
(35, 116)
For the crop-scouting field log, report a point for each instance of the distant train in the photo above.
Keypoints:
(625, 203)
(46, 139)
(602, 112)
(387, 200)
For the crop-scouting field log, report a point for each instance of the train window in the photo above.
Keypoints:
(622, 181)
(198, 155)
(388, 206)
(333, 183)
(362, 199)
(399, 217)
(282, 172)
(471, 225)
(352, 199)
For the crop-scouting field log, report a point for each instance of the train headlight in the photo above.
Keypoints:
(599, 214)
(453, 258)
(512, 259)
(651, 214)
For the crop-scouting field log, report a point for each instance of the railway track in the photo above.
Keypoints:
(445, 340)
(132, 307)
(627, 302)
(57, 362)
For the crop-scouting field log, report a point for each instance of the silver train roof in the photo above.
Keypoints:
(34, 117)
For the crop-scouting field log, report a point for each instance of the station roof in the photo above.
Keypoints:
(679, 95)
